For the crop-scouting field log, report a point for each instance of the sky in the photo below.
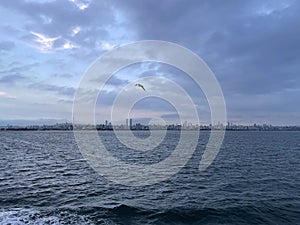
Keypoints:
(252, 47)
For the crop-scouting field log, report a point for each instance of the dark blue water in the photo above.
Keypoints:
(255, 179)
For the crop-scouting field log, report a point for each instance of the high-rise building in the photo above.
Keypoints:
(130, 123)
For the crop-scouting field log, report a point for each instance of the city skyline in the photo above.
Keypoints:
(143, 121)
(136, 124)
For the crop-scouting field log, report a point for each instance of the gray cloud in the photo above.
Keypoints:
(113, 81)
(239, 43)
(12, 79)
(17, 67)
(15, 73)
(252, 47)
(61, 90)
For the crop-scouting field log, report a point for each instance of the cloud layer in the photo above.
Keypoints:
(252, 47)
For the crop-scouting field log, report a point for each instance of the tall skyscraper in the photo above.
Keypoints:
(126, 124)
(130, 123)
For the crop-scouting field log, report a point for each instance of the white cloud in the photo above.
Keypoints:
(107, 46)
(82, 5)
(75, 30)
(7, 95)
(271, 7)
(45, 43)
(46, 19)
(69, 45)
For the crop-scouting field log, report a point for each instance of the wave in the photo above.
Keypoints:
(20, 216)
(231, 215)
(247, 214)
(125, 214)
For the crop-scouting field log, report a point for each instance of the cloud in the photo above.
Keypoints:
(243, 47)
(252, 47)
(12, 79)
(6, 45)
(18, 67)
(84, 24)
(61, 90)
(82, 5)
(7, 95)
(16, 72)
(113, 81)
(107, 46)
(75, 30)
(45, 43)
(68, 45)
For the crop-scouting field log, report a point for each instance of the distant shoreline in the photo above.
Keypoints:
(1, 130)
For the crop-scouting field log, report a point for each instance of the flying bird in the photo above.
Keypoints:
(141, 86)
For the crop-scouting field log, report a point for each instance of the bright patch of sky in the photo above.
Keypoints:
(82, 5)
(269, 7)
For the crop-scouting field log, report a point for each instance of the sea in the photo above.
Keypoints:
(255, 179)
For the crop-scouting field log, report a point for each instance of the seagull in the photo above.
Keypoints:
(141, 86)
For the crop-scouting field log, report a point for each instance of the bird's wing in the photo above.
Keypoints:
(140, 85)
